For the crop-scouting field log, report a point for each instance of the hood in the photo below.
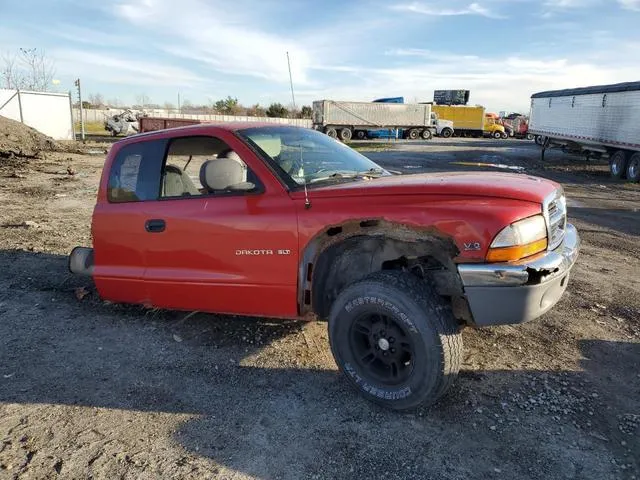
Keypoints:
(473, 184)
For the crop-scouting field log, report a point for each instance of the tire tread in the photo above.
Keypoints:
(439, 312)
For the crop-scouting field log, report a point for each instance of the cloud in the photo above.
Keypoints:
(216, 36)
(576, 4)
(429, 10)
(570, 3)
(499, 83)
(108, 68)
(630, 4)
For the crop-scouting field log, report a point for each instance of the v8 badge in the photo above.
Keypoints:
(472, 246)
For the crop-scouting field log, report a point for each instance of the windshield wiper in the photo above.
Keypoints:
(372, 172)
(349, 174)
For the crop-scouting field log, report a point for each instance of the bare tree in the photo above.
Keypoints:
(142, 99)
(169, 106)
(96, 100)
(12, 76)
(114, 102)
(39, 69)
(29, 68)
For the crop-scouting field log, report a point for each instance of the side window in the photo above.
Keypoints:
(135, 172)
(204, 165)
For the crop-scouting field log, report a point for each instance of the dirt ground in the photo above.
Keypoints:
(90, 389)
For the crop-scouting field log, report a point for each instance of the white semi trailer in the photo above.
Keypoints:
(599, 121)
(345, 120)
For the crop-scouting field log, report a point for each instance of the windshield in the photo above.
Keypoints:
(308, 156)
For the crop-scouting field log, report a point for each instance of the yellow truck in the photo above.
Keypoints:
(470, 121)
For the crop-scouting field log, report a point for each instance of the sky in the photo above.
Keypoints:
(503, 51)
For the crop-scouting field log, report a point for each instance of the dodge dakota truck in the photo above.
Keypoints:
(281, 221)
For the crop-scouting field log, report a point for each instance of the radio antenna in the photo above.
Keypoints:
(307, 202)
(293, 97)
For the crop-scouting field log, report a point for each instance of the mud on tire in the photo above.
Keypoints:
(395, 340)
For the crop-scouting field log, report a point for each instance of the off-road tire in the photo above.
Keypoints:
(427, 323)
(633, 168)
(618, 164)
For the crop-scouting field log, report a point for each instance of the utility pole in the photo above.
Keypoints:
(179, 111)
(77, 84)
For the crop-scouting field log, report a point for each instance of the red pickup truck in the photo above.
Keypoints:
(281, 221)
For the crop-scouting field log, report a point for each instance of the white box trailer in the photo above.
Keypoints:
(346, 119)
(602, 120)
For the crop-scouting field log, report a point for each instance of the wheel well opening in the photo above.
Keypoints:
(348, 253)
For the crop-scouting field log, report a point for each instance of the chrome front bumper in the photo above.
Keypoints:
(504, 293)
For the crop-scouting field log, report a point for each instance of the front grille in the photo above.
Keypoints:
(556, 216)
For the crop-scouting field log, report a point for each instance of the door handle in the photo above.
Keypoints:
(155, 226)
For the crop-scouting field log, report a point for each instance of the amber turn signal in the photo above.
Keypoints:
(510, 254)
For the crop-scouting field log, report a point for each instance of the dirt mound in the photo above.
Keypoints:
(19, 140)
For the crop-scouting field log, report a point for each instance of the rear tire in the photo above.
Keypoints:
(529, 136)
(633, 168)
(426, 134)
(345, 134)
(446, 133)
(496, 135)
(332, 132)
(413, 134)
(361, 134)
(618, 164)
(395, 340)
(504, 135)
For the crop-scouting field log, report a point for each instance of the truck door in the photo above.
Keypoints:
(230, 249)
(118, 221)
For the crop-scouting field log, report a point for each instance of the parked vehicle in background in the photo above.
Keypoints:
(469, 121)
(444, 128)
(124, 122)
(345, 120)
(491, 123)
(280, 221)
(519, 125)
(596, 121)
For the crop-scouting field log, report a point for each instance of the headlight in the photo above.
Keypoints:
(519, 240)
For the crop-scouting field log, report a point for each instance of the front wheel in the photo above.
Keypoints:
(446, 132)
(396, 340)
(529, 136)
